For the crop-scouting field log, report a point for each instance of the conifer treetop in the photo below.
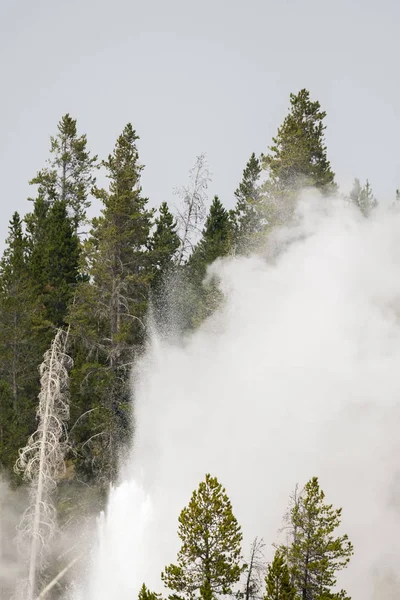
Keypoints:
(298, 154)
(209, 561)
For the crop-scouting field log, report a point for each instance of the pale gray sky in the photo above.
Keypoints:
(207, 76)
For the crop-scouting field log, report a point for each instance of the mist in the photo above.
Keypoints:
(12, 505)
(296, 375)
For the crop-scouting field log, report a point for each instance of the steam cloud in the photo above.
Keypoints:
(297, 375)
(12, 504)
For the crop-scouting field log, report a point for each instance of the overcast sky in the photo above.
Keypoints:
(208, 76)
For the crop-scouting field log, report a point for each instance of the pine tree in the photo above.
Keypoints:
(208, 563)
(118, 250)
(277, 580)
(314, 554)
(216, 242)
(146, 594)
(363, 198)
(107, 317)
(22, 335)
(164, 244)
(54, 253)
(11, 435)
(251, 214)
(355, 192)
(14, 310)
(298, 156)
(14, 258)
(69, 174)
(36, 227)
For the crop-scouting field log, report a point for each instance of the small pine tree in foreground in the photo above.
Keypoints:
(314, 554)
(278, 584)
(209, 561)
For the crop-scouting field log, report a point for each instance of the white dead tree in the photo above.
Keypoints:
(42, 461)
(194, 196)
(254, 575)
(56, 579)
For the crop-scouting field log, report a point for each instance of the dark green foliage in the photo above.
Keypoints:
(298, 156)
(118, 256)
(69, 174)
(216, 242)
(23, 335)
(54, 251)
(164, 242)
(164, 245)
(252, 213)
(314, 554)
(101, 289)
(14, 258)
(107, 317)
(278, 584)
(248, 190)
(209, 561)
(13, 433)
(187, 298)
(59, 209)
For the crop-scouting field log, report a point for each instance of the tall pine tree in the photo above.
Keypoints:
(209, 561)
(216, 239)
(298, 156)
(59, 209)
(216, 242)
(54, 252)
(314, 554)
(22, 338)
(164, 244)
(69, 174)
(252, 213)
(107, 317)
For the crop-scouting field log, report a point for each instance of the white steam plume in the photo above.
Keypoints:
(12, 504)
(297, 375)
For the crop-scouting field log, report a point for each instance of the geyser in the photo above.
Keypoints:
(296, 375)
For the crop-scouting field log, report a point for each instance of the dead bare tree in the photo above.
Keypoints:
(194, 197)
(57, 578)
(254, 574)
(288, 528)
(42, 461)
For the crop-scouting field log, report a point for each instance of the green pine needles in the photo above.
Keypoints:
(209, 561)
(209, 564)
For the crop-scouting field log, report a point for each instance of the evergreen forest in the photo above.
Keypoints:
(78, 298)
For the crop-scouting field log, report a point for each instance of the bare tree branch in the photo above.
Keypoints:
(42, 460)
(56, 579)
(194, 197)
(255, 573)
